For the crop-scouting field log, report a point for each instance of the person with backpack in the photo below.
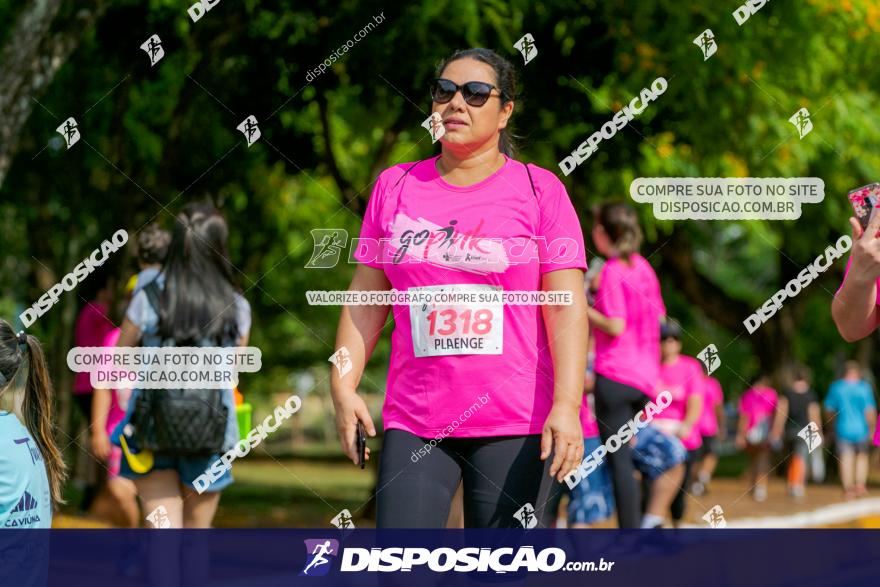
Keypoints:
(192, 302)
(499, 384)
(32, 471)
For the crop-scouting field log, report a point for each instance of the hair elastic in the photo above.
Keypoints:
(22, 337)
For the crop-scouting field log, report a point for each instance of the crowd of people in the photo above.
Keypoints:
(183, 294)
(563, 380)
(515, 452)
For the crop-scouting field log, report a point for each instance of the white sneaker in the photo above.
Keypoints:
(698, 488)
(760, 493)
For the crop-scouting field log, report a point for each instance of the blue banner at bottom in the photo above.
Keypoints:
(268, 557)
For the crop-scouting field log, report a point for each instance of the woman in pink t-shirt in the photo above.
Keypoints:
(759, 429)
(626, 314)
(478, 390)
(683, 377)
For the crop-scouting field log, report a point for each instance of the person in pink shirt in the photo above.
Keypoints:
(478, 390)
(712, 427)
(117, 500)
(627, 313)
(92, 326)
(759, 429)
(683, 377)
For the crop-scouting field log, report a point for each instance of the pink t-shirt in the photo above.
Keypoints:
(631, 292)
(118, 405)
(478, 368)
(120, 397)
(757, 404)
(712, 397)
(683, 379)
(92, 325)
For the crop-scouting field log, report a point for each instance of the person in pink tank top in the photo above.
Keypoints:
(759, 430)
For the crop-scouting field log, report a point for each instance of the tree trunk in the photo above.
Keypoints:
(31, 57)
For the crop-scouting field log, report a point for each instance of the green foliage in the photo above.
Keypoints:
(159, 137)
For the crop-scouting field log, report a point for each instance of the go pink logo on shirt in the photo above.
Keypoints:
(422, 241)
(447, 247)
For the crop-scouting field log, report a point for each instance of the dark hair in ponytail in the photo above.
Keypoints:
(199, 296)
(505, 79)
(38, 405)
(621, 223)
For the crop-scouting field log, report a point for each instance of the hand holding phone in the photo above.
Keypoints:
(361, 445)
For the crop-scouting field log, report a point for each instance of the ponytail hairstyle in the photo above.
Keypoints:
(198, 300)
(505, 80)
(38, 405)
(622, 226)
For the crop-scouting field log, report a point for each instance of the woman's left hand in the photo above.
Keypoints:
(564, 436)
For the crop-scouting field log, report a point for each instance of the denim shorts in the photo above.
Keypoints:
(592, 500)
(656, 452)
(189, 468)
(847, 446)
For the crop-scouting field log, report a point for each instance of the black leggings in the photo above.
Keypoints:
(500, 474)
(616, 404)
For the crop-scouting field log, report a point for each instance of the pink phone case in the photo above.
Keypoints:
(865, 202)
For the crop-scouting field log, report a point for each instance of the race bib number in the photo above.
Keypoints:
(466, 319)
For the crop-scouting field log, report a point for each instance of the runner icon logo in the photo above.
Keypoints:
(715, 517)
(434, 125)
(709, 357)
(342, 361)
(801, 121)
(526, 516)
(250, 130)
(319, 555)
(706, 42)
(69, 131)
(343, 520)
(811, 436)
(159, 518)
(526, 46)
(327, 250)
(153, 48)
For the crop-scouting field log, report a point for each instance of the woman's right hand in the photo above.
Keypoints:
(350, 408)
(101, 444)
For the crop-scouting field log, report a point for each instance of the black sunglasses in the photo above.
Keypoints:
(474, 93)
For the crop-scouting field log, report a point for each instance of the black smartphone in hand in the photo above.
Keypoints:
(361, 445)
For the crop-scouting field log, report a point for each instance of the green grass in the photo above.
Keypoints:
(308, 491)
(291, 493)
